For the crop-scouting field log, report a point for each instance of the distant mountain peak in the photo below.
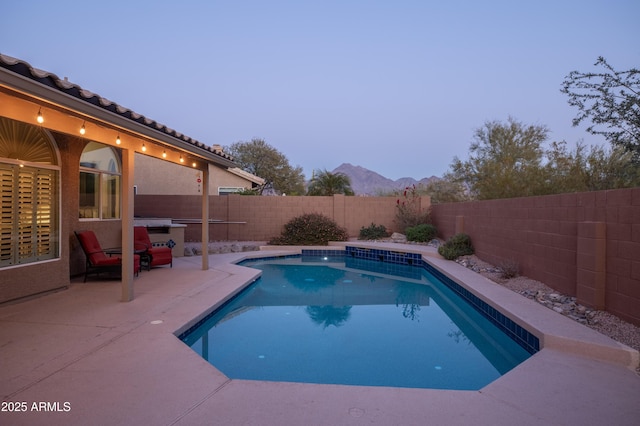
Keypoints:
(368, 182)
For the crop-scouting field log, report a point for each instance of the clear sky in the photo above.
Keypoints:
(398, 87)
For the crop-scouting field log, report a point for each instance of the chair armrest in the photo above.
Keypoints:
(139, 245)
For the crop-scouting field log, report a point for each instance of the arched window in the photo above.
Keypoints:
(100, 195)
(29, 206)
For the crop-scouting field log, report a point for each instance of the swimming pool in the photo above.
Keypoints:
(348, 320)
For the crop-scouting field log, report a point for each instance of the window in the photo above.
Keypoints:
(29, 224)
(226, 190)
(100, 195)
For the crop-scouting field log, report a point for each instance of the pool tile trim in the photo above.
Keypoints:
(516, 332)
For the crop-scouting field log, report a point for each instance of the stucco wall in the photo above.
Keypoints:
(158, 177)
(582, 244)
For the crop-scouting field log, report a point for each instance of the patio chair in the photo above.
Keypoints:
(156, 255)
(97, 259)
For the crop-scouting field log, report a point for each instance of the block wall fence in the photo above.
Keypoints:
(252, 218)
(582, 244)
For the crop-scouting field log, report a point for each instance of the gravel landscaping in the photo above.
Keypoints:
(601, 321)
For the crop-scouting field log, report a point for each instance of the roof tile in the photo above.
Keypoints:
(26, 70)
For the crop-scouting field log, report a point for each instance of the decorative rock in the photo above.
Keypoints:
(397, 237)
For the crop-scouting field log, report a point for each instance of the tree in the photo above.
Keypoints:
(504, 161)
(611, 100)
(263, 160)
(327, 183)
(611, 169)
(592, 169)
(446, 190)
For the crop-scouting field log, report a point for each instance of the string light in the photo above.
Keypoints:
(181, 159)
(193, 164)
(82, 129)
(144, 148)
(164, 154)
(118, 141)
(40, 118)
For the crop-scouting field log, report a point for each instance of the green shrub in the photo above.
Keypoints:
(310, 229)
(422, 233)
(373, 232)
(456, 246)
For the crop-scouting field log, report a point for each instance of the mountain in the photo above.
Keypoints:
(367, 182)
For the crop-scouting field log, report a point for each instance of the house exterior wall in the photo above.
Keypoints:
(158, 177)
(582, 244)
(41, 277)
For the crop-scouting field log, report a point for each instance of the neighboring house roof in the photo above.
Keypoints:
(52, 81)
(246, 175)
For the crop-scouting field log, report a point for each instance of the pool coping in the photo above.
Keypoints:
(121, 363)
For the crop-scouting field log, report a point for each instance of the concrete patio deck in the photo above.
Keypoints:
(92, 359)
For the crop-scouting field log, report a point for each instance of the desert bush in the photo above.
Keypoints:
(422, 233)
(509, 268)
(408, 210)
(373, 232)
(456, 246)
(310, 229)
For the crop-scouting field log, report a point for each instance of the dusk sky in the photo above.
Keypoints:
(398, 87)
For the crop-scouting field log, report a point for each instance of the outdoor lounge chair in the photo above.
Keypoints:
(155, 255)
(97, 259)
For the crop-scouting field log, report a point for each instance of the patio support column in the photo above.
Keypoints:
(205, 217)
(128, 156)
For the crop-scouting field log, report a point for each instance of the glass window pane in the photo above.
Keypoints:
(110, 196)
(89, 192)
(100, 157)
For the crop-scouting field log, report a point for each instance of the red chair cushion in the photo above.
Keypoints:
(159, 255)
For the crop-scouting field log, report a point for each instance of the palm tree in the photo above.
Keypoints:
(329, 315)
(327, 183)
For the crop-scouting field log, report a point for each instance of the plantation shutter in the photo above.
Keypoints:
(7, 214)
(28, 218)
(47, 246)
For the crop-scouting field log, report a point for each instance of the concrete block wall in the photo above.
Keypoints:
(583, 244)
(250, 218)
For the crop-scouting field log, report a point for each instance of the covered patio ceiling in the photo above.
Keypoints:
(26, 93)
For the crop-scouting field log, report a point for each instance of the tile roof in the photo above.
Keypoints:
(51, 80)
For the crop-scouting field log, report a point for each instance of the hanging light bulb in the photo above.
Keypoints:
(82, 129)
(181, 159)
(164, 154)
(118, 141)
(40, 118)
(193, 164)
(144, 148)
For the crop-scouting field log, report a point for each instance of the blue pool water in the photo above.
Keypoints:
(354, 322)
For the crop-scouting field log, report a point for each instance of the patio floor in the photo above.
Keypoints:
(92, 359)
